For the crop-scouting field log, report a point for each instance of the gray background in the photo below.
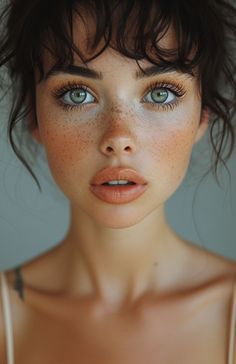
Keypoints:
(31, 222)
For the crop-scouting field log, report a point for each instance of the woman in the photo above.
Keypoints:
(118, 94)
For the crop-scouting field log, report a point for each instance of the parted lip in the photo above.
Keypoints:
(117, 173)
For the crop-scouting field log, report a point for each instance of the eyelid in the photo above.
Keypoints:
(60, 91)
(176, 88)
(173, 86)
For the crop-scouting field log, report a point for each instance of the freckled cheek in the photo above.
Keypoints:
(66, 147)
(171, 151)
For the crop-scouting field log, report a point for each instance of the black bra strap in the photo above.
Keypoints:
(18, 283)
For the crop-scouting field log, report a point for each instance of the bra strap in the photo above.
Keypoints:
(7, 318)
(232, 334)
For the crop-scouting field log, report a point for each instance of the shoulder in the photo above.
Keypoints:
(211, 274)
(214, 262)
(205, 269)
(36, 271)
(221, 266)
(209, 283)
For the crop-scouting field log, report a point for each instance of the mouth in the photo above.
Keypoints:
(114, 176)
(118, 194)
(118, 185)
(112, 185)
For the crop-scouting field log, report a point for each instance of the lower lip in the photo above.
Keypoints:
(119, 194)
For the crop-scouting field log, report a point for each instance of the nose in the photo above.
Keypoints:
(117, 141)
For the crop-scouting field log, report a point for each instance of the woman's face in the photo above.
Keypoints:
(116, 116)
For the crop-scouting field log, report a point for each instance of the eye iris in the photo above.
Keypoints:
(78, 95)
(159, 95)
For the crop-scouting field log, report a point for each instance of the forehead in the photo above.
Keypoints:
(85, 30)
(90, 39)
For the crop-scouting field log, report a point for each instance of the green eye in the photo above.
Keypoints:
(159, 95)
(78, 96)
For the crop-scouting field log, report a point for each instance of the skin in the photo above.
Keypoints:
(114, 247)
(121, 275)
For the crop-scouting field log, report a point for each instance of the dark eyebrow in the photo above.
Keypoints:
(74, 70)
(155, 70)
(90, 73)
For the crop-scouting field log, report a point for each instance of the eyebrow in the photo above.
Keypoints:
(156, 70)
(90, 73)
(74, 70)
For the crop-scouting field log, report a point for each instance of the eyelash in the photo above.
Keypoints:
(173, 86)
(61, 91)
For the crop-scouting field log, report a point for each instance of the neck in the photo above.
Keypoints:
(119, 265)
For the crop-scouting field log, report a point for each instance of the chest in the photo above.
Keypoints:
(170, 333)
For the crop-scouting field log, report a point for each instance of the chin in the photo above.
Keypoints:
(119, 217)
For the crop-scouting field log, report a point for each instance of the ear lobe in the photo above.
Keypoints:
(203, 125)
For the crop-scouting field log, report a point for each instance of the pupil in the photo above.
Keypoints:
(159, 95)
(78, 95)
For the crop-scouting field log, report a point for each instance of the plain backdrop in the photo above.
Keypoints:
(32, 222)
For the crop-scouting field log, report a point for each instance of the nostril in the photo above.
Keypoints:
(127, 148)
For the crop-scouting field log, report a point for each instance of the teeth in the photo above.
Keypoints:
(120, 182)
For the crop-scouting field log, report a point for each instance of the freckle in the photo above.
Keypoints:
(116, 109)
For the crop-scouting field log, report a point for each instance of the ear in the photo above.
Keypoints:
(203, 125)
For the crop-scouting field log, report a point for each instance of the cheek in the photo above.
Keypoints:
(66, 145)
(171, 152)
(173, 139)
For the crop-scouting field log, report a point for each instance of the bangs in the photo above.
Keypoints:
(129, 27)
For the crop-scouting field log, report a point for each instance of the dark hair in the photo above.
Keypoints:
(208, 27)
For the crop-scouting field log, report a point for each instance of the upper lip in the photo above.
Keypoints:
(117, 173)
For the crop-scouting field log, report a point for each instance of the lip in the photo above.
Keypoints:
(118, 194)
(117, 173)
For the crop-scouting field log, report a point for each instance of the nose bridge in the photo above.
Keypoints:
(119, 135)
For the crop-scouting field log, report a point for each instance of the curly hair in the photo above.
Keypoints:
(208, 27)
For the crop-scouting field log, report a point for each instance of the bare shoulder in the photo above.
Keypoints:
(211, 266)
(222, 265)
(35, 271)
